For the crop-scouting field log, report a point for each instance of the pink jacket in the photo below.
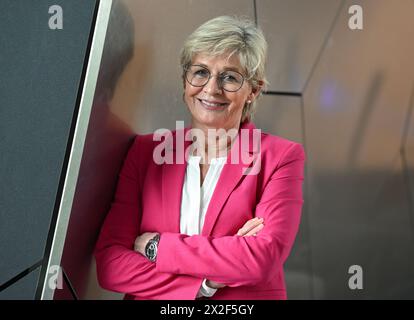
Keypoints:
(148, 198)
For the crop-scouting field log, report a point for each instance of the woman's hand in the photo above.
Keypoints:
(250, 228)
(142, 240)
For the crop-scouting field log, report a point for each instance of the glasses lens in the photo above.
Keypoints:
(231, 80)
(197, 76)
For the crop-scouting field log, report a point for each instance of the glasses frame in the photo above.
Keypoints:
(210, 76)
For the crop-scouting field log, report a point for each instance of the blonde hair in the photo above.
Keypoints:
(232, 35)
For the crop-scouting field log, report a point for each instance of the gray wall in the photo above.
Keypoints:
(40, 74)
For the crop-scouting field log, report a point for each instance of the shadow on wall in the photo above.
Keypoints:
(107, 141)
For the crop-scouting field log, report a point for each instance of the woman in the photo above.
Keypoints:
(207, 227)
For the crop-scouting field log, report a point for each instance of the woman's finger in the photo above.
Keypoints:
(255, 230)
(214, 285)
(249, 225)
(243, 230)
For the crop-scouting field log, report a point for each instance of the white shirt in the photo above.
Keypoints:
(195, 201)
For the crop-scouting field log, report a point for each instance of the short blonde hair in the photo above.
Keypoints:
(233, 35)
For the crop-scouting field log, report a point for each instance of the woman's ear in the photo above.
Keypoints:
(256, 90)
(259, 87)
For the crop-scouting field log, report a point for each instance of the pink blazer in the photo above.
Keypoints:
(148, 198)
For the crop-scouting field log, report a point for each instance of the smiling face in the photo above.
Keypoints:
(211, 106)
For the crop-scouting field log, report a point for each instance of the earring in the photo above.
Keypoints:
(249, 101)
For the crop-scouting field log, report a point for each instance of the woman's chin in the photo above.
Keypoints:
(212, 122)
(208, 118)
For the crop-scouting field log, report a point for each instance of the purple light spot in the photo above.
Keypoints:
(329, 96)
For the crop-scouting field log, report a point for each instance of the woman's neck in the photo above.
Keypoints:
(211, 142)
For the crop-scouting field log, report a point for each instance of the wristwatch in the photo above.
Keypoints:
(151, 248)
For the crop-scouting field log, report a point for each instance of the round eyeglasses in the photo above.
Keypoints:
(198, 76)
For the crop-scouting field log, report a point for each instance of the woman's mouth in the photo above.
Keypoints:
(212, 105)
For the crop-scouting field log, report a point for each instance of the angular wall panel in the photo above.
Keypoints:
(280, 115)
(296, 31)
(40, 74)
(355, 108)
(23, 289)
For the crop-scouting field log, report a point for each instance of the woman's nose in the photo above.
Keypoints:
(213, 86)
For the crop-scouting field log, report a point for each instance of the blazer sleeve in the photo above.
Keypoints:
(235, 260)
(119, 267)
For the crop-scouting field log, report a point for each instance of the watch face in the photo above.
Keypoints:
(151, 250)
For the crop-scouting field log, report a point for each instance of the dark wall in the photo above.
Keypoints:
(41, 71)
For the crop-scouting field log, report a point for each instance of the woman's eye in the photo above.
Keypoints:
(201, 73)
(229, 78)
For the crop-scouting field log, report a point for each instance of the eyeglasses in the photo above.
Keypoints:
(198, 76)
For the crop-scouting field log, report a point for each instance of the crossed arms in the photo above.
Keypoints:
(184, 261)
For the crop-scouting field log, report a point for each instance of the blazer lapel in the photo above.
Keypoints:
(231, 175)
(172, 180)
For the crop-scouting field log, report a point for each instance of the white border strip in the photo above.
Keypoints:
(81, 128)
